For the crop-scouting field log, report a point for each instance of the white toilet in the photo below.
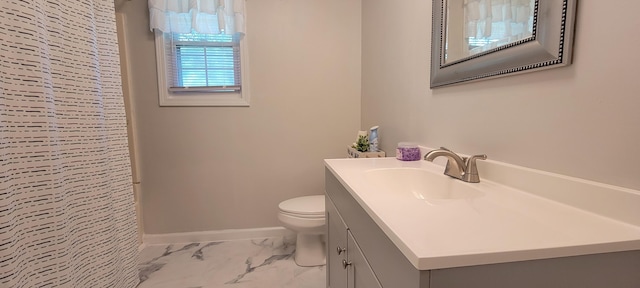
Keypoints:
(305, 216)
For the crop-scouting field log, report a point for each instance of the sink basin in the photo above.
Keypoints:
(422, 184)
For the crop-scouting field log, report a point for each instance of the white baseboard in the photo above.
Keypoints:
(218, 235)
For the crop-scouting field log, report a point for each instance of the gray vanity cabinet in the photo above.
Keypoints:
(347, 267)
(373, 260)
(336, 247)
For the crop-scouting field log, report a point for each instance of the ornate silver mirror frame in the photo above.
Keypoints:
(549, 46)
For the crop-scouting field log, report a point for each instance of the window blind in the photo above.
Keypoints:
(203, 62)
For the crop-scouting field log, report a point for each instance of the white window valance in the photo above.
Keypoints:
(201, 16)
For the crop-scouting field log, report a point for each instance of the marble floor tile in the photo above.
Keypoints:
(258, 263)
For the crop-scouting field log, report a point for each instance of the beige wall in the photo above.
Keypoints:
(214, 168)
(581, 120)
(227, 168)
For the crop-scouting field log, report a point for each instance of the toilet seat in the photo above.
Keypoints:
(302, 216)
(304, 207)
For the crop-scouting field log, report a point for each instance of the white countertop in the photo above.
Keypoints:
(502, 225)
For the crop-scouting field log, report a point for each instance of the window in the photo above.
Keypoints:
(201, 69)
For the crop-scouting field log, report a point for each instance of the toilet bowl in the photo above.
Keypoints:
(306, 216)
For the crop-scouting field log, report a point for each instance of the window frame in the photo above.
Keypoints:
(200, 98)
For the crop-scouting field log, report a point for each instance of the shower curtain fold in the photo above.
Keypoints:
(67, 215)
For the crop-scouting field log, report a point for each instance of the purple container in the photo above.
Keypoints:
(407, 151)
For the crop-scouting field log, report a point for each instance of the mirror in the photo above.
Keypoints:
(474, 26)
(479, 39)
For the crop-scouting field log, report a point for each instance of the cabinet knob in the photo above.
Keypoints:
(341, 250)
(345, 264)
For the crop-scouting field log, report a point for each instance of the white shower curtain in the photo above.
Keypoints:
(66, 204)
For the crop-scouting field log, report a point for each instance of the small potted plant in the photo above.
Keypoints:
(360, 149)
(362, 144)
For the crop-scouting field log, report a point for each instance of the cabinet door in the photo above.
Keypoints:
(336, 247)
(360, 273)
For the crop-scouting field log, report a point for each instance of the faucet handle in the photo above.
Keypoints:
(480, 156)
(471, 170)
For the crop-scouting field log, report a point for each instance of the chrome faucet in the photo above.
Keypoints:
(462, 168)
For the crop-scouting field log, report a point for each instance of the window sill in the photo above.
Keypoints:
(219, 99)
